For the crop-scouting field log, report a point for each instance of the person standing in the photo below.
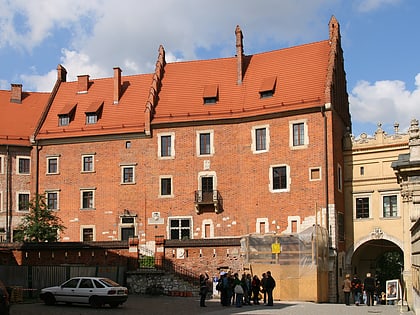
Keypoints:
(204, 289)
(369, 286)
(238, 289)
(269, 286)
(347, 289)
(263, 289)
(356, 286)
(255, 285)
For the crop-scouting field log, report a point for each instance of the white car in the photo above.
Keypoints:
(96, 291)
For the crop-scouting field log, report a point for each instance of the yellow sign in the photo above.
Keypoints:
(275, 248)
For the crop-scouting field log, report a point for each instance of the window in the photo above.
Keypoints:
(179, 228)
(87, 234)
(205, 143)
(24, 165)
(165, 186)
(314, 174)
(87, 199)
(127, 174)
(72, 283)
(127, 227)
(279, 178)
(66, 114)
(362, 207)
(52, 165)
(260, 139)
(298, 134)
(362, 170)
(23, 201)
(166, 145)
(52, 200)
(128, 144)
(390, 206)
(1, 164)
(91, 118)
(87, 163)
(210, 94)
(126, 233)
(63, 120)
(268, 86)
(339, 178)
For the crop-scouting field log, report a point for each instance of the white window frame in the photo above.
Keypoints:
(93, 198)
(320, 174)
(305, 134)
(362, 195)
(207, 174)
(20, 157)
(83, 227)
(254, 139)
(83, 163)
(17, 200)
(190, 218)
(133, 167)
(203, 228)
(2, 160)
(172, 153)
(171, 195)
(48, 164)
(290, 220)
(198, 133)
(49, 191)
(258, 225)
(288, 180)
(389, 194)
(339, 177)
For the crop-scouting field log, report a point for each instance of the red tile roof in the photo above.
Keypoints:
(125, 117)
(300, 74)
(18, 121)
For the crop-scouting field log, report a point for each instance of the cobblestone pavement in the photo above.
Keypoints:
(163, 305)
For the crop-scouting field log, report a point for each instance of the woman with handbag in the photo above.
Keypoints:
(239, 290)
(203, 289)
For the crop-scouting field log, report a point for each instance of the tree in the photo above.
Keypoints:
(41, 224)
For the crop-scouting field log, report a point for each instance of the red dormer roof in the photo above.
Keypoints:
(123, 116)
(19, 116)
(296, 75)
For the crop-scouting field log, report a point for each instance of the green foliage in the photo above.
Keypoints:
(40, 224)
(389, 267)
(147, 262)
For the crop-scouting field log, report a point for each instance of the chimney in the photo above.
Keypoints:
(83, 83)
(239, 52)
(61, 73)
(117, 85)
(16, 93)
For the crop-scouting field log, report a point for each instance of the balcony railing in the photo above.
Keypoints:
(205, 198)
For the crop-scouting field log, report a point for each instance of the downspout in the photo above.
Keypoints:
(327, 214)
(8, 198)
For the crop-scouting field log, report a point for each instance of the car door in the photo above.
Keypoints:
(85, 290)
(67, 291)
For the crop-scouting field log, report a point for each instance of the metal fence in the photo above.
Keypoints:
(30, 279)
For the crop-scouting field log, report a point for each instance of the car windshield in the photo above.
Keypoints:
(109, 282)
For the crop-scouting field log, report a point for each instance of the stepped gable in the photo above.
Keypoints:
(119, 102)
(19, 114)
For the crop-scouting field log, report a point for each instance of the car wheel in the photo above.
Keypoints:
(49, 299)
(114, 305)
(95, 301)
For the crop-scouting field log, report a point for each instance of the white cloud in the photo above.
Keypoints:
(386, 102)
(372, 5)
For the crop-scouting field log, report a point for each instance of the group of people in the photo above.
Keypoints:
(369, 286)
(240, 290)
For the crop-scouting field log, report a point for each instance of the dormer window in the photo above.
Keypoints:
(267, 87)
(66, 115)
(211, 93)
(94, 112)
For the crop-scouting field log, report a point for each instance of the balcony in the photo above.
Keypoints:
(205, 200)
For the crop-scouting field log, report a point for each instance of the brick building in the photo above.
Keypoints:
(200, 153)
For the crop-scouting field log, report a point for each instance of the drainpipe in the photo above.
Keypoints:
(327, 214)
(8, 199)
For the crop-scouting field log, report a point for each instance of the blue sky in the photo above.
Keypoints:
(379, 38)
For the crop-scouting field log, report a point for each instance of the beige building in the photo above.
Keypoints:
(377, 223)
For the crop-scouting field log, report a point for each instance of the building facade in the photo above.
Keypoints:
(207, 150)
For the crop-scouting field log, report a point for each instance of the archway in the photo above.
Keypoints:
(381, 258)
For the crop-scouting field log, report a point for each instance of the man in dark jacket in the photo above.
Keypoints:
(270, 284)
(369, 286)
(356, 286)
